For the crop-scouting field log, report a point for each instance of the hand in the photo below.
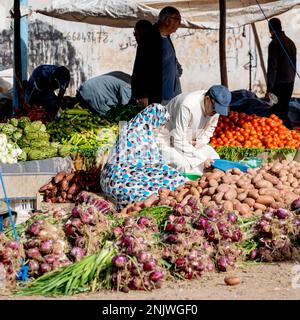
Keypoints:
(143, 102)
(208, 163)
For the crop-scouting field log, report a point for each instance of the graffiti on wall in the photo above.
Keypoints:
(46, 45)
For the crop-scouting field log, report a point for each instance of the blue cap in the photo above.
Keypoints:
(222, 97)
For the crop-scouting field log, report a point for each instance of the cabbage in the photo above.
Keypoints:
(8, 129)
(23, 122)
(42, 153)
(22, 156)
(39, 144)
(13, 122)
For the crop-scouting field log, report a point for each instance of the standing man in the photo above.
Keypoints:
(193, 119)
(281, 69)
(155, 66)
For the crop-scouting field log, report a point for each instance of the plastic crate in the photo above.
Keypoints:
(23, 208)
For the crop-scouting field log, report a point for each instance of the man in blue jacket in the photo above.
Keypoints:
(41, 87)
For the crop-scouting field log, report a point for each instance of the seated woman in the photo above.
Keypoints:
(135, 168)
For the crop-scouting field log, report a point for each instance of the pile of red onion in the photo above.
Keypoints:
(278, 232)
(85, 230)
(10, 261)
(198, 241)
(45, 247)
(136, 267)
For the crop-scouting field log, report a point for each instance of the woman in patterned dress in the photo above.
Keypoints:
(135, 168)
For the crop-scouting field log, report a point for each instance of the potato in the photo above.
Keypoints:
(228, 205)
(242, 196)
(164, 191)
(259, 206)
(182, 194)
(227, 179)
(203, 184)
(223, 187)
(249, 201)
(253, 194)
(290, 197)
(237, 171)
(239, 190)
(232, 281)
(192, 184)
(230, 194)
(263, 184)
(185, 200)
(266, 200)
(276, 167)
(195, 192)
(205, 191)
(218, 197)
(205, 200)
(216, 175)
(269, 177)
(179, 188)
(199, 189)
(243, 209)
(295, 184)
(258, 212)
(213, 183)
(297, 191)
(257, 178)
(277, 205)
(151, 201)
(211, 191)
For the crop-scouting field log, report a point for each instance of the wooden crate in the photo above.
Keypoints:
(47, 206)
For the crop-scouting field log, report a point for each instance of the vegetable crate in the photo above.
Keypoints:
(22, 207)
(45, 206)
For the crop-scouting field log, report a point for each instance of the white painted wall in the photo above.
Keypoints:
(90, 50)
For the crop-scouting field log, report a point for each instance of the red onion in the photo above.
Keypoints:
(253, 254)
(14, 245)
(169, 227)
(281, 213)
(76, 212)
(34, 253)
(210, 212)
(86, 217)
(127, 241)
(45, 267)
(35, 228)
(189, 274)
(181, 220)
(119, 261)
(236, 235)
(46, 246)
(118, 231)
(135, 284)
(50, 258)
(232, 217)
(32, 243)
(180, 262)
(143, 256)
(201, 224)
(178, 227)
(129, 221)
(222, 263)
(77, 253)
(295, 204)
(221, 227)
(200, 266)
(150, 265)
(77, 223)
(33, 266)
(143, 221)
(156, 276)
(80, 242)
(171, 238)
(69, 229)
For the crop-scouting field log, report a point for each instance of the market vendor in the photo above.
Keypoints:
(193, 119)
(135, 167)
(101, 93)
(40, 96)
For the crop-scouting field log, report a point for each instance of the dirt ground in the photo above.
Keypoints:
(276, 281)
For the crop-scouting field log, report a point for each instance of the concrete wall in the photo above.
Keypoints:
(89, 50)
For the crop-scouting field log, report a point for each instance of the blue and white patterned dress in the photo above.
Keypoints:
(135, 168)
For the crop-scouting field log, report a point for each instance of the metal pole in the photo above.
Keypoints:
(20, 53)
(260, 54)
(222, 43)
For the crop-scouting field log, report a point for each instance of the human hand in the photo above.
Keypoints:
(142, 102)
(208, 163)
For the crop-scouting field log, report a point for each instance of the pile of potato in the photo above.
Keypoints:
(272, 185)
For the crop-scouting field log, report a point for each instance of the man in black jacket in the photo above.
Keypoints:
(155, 66)
(281, 69)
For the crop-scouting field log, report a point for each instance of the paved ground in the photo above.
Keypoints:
(258, 282)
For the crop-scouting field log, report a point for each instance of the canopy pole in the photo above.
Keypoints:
(222, 43)
(260, 54)
(20, 54)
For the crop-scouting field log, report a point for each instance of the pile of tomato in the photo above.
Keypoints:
(252, 131)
